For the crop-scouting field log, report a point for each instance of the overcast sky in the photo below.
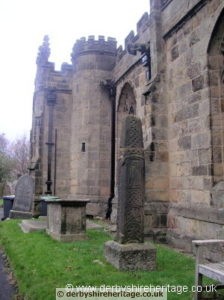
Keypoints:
(23, 23)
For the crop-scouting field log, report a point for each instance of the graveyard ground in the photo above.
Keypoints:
(41, 264)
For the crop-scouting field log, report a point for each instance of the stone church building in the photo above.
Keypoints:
(171, 75)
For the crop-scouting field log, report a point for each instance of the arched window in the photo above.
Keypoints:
(126, 106)
(127, 102)
(216, 81)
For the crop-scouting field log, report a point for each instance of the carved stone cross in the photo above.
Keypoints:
(131, 190)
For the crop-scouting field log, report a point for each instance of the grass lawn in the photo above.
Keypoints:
(41, 264)
(1, 202)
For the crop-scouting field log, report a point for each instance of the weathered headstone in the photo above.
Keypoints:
(24, 197)
(130, 252)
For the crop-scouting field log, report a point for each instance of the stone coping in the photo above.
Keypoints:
(198, 212)
(50, 198)
(55, 199)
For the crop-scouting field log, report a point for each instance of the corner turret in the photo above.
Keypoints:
(83, 46)
(93, 63)
(44, 52)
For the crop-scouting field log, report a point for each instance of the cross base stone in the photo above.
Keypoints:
(131, 257)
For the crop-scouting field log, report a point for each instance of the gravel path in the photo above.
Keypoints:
(7, 289)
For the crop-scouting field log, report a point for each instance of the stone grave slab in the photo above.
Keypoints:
(40, 224)
(33, 225)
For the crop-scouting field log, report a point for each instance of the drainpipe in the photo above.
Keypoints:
(55, 160)
(109, 86)
(51, 100)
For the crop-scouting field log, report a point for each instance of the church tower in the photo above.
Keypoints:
(93, 62)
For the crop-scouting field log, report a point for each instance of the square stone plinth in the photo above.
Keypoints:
(66, 220)
(16, 214)
(131, 257)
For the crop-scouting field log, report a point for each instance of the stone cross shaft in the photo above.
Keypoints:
(131, 190)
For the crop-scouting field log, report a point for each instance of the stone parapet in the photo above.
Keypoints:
(192, 222)
(196, 212)
(83, 46)
(143, 23)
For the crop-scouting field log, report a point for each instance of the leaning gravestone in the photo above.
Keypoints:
(130, 252)
(24, 197)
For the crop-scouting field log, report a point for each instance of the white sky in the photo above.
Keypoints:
(23, 23)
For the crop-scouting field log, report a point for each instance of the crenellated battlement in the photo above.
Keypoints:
(141, 27)
(132, 38)
(143, 23)
(101, 45)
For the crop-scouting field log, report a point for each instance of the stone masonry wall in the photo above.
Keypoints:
(60, 83)
(180, 105)
(189, 111)
(151, 108)
(48, 80)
